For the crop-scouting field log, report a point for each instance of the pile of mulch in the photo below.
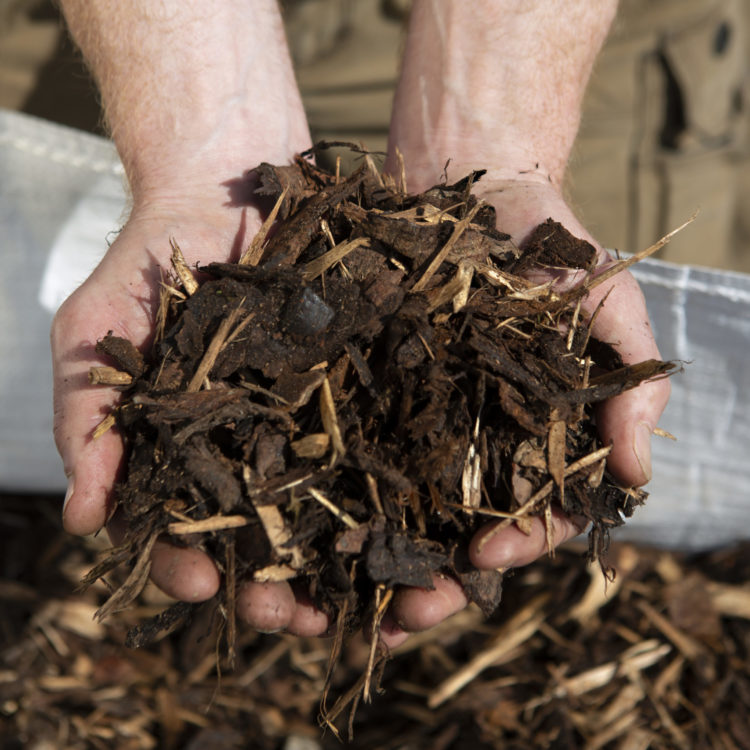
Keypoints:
(373, 380)
(659, 661)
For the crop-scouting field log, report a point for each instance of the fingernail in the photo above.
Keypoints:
(68, 493)
(642, 448)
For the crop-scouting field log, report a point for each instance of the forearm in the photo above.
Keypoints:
(498, 83)
(193, 92)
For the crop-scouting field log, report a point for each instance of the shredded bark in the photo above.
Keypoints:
(358, 389)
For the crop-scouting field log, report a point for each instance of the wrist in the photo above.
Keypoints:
(193, 94)
(501, 85)
(211, 169)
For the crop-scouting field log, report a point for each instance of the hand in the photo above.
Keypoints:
(192, 96)
(121, 295)
(626, 421)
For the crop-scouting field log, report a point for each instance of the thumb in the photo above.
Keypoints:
(90, 463)
(628, 420)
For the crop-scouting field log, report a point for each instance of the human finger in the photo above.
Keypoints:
(496, 546)
(415, 609)
(627, 421)
(267, 607)
(307, 620)
(184, 573)
(90, 463)
(392, 634)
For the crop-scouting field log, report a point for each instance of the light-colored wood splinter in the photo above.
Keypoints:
(312, 446)
(631, 662)
(204, 525)
(106, 375)
(275, 573)
(372, 491)
(330, 420)
(189, 284)
(600, 590)
(238, 330)
(341, 514)
(401, 171)
(663, 433)
(316, 267)
(443, 253)
(212, 352)
(104, 426)
(253, 254)
(278, 532)
(376, 173)
(455, 291)
(556, 468)
(471, 477)
(556, 449)
(613, 270)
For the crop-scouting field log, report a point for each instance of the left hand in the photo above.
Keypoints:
(625, 421)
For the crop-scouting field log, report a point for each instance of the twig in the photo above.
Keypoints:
(106, 375)
(214, 523)
(254, 253)
(342, 515)
(316, 267)
(212, 352)
(442, 254)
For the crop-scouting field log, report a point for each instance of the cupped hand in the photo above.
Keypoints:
(626, 421)
(121, 296)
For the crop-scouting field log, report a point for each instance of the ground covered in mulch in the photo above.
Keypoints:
(660, 662)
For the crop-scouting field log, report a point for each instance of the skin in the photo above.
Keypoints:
(498, 88)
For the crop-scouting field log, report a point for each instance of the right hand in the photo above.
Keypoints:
(121, 295)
